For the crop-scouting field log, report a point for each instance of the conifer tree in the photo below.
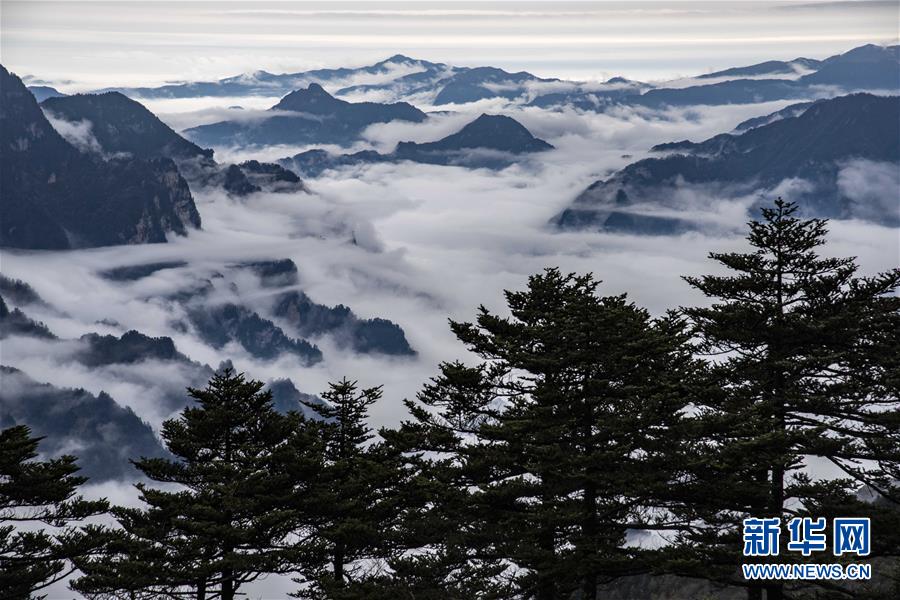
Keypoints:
(804, 357)
(226, 510)
(350, 504)
(443, 543)
(43, 493)
(569, 432)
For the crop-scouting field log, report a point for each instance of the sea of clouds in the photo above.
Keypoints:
(416, 244)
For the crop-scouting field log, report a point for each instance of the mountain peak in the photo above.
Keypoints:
(485, 120)
(493, 132)
(314, 99)
(398, 58)
(123, 125)
(55, 197)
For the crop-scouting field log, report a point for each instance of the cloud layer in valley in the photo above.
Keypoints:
(412, 243)
(416, 244)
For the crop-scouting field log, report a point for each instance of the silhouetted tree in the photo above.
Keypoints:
(43, 494)
(804, 361)
(227, 509)
(567, 435)
(444, 545)
(350, 504)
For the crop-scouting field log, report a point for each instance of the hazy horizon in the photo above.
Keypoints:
(80, 46)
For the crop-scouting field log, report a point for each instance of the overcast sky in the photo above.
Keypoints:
(93, 44)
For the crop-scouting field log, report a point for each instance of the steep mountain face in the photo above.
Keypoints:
(813, 147)
(121, 125)
(55, 197)
(318, 117)
(490, 141)
(101, 433)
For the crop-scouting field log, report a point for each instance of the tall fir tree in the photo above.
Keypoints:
(568, 434)
(227, 507)
(443, 544)
(42, 493)
(804, 356)
(351, 507)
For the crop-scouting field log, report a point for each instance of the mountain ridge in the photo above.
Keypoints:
(812, 147)
(490, 141)
(56, 197)
(319, 118)
(865, 67)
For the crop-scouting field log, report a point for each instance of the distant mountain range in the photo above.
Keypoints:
(306, 116)
(395, 78)
(408, 72)
(767, 68)
(401, 78)
(811, 148)
(54, 196)
(490, 141)
(42, 92)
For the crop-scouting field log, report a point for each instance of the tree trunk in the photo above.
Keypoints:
(546, 588)
(546, 585)
(589, 531)
(227, 585)
(338, 564)
(201, 590)
(776, 356)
